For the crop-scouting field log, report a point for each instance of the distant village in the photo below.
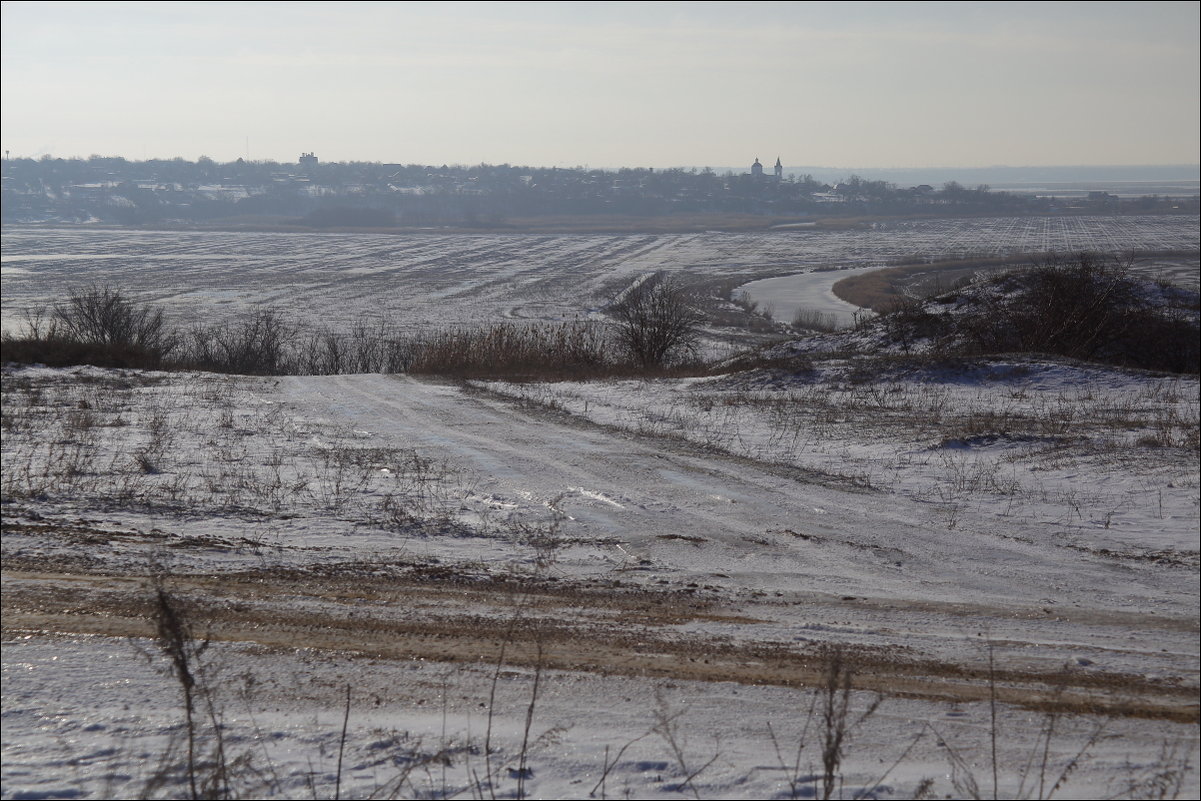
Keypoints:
(309, 192)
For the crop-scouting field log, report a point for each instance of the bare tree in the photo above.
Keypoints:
(657, 320)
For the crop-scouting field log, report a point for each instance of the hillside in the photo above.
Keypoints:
(891, 561)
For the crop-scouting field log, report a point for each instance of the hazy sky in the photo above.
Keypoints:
(606, 84)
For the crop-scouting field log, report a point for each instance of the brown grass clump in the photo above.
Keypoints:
(564, 350)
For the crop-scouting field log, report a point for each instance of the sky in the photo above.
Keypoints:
(606, 84)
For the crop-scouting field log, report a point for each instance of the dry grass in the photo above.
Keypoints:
(551, 351)
(656, 335)
(115, 441)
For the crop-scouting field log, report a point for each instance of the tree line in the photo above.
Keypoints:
(371, 194)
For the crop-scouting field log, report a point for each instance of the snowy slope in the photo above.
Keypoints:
(589, 499)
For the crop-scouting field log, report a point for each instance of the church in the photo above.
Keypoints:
(757, 169)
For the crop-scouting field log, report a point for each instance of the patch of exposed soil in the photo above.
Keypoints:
(592, 627)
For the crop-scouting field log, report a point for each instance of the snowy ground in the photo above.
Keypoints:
(417, 728)
(417, 280)
(404, 537)
(651, 574)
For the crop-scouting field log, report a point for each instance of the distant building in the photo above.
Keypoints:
(757, 170)
(308, 160)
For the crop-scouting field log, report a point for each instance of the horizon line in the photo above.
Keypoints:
(586, 166)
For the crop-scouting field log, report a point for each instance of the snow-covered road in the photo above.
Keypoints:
(821, 553)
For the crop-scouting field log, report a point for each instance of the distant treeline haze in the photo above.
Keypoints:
(361, 194)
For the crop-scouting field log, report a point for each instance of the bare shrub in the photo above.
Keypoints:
(658, 321)
(255, 346)
(910, 322)
(1084, 307)
(1071, 307)
(98, 325)
(366, 347)
(102, 315)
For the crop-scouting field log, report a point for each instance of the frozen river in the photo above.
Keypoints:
(811, 292)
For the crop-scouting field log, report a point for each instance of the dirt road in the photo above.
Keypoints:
(589, 628)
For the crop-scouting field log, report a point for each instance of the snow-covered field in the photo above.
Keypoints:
(589, 589)
(418, 280)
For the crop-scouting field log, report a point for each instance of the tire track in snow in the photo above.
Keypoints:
(689, 512)
(647, 491)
